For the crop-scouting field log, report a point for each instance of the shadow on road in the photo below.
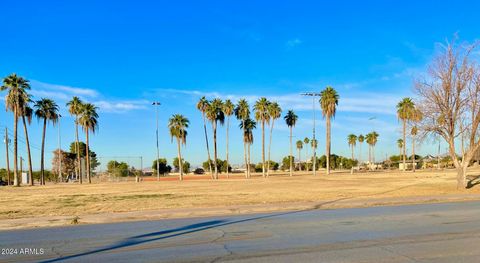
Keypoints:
(473, 181)
(188, 229)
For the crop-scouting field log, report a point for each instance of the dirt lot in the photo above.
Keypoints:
(58, 204)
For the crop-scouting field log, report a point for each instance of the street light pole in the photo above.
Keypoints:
(156, 104)
(313, 95)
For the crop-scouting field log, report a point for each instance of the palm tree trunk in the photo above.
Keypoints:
(360, 154)
(413, 154)
(247, 170)
(352, 152)
(269, 148)
(263, 148)
(328, 145)
(180, 166)
(228, 126)
(77, 150)
(42, 158)
(16, 181)
(27, 140)
(369, 154)
(206, 141)
(214, 125)
(404, 144)
(299, 161)
(87, 154)
(291, 152)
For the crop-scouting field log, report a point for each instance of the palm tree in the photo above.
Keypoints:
(27, 114)
(299, 148)
(275, 112)
(291, 119)
(202, 106)
(416, 117)
(75, 108)
(248, 126)
(215, 114)
(374, 141)
(242, 112)
(307, 142)
(361, 139)
(262, 116)
(328, 103)
(400, 147)
(369, 140)
(352, 142)
(47, 110)
(89, 121)
(17, 95)
(405, 109)
(228, 109)
(178, 125)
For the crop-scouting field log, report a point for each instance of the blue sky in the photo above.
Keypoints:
(121, 55)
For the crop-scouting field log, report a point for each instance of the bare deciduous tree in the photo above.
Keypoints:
(449, 101)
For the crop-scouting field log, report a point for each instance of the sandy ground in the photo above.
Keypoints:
(59, 204)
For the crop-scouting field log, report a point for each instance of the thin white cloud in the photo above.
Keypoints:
(374, 103)
(61, 91)
(293, 42)
(121, 106)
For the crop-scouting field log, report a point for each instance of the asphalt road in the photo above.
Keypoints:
(446, 232)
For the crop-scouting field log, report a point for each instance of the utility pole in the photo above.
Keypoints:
(6, 149)
(313, 95)
(156, 104)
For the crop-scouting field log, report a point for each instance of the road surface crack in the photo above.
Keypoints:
(224, 245)
(412, 259)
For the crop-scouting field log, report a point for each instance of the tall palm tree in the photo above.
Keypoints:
(17, 95)
(248, 126)
(416, 117)
(75, 107)
(202, 106)
(27, 114)
(291, 119)
(262, 116)
(361, 139)
(275, 112)
(328, 103)
(228, 109)
(400, 147)
(352, 142)
(89, 121)
(405, 109)
(374, 141)
(47, 110)
(215, 114)
(299, 148)
(369, 140)
(242, 112)
(307, 143)
(178, 125)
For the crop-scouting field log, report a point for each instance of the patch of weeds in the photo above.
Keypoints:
(75, 220)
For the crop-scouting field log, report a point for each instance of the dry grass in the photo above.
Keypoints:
(78, 200)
